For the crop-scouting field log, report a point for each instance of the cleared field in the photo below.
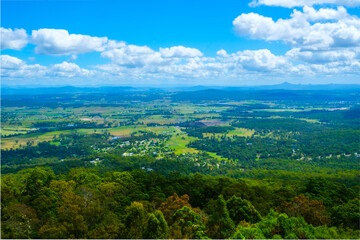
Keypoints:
(208, 116)
(22, 140)
(164, 130)
(214, 155)
(162, 121)
(10, 130)
(126, 130)
(241, 132)
(280, 110)
(157, 130)
(310, 120)
(179, 142)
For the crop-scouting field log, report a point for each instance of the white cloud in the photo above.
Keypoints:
(318, 57)
(115, 44)
(66, 69)
(222, 53)
(133, 56)
(326, 42)
(60, 42)
(180, 61)
(333, 28)
(301, 3)
(260, 60)
(311, 14)
(134, 62)
(257, 26)
(9, 62)
(140, 63)
(13, 39)
(249, 64)
(180, 52)
(12, 67)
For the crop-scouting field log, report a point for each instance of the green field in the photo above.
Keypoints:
(179, 142)
(240, 132)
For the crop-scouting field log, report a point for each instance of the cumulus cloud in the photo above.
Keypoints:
(13, 39)
(319, 57)
(60, 42)
(111, 44)
(139, 62)
(12, 67)
(260, 60)
(255, 64)
(325, 42)
(133, 56)
(222, 53)
(66, 69)
(301, 3)
(9, 62)
(182, 61)
(332, 28)
(180, 52)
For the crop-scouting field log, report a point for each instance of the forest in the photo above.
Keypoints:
(208, 164)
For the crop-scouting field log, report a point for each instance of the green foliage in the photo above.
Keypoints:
(70, 212)
(187, 224)
(331, 193)
(36, 203)
(312, 211)
(156, 227)
(347, 214)
(172, 204)
(135, 220)
(220, 225)
(36, 179)
(276, 225)
(242, 210)
(246, 232)
(19, 221)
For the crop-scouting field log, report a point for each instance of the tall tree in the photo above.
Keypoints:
(241, 209)
(156, 226)
(220, 225)
(135, 218)
(172, 204)
(187, 224)
(19, 221)
(347, 214)
(313, 211)
(70, 213)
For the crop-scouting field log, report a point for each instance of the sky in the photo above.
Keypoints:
(179, 42)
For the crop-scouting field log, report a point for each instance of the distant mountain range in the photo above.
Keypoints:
(5, 90)
(282, 86)
(64, 90)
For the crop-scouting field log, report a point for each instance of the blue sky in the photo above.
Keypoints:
(180, 42)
